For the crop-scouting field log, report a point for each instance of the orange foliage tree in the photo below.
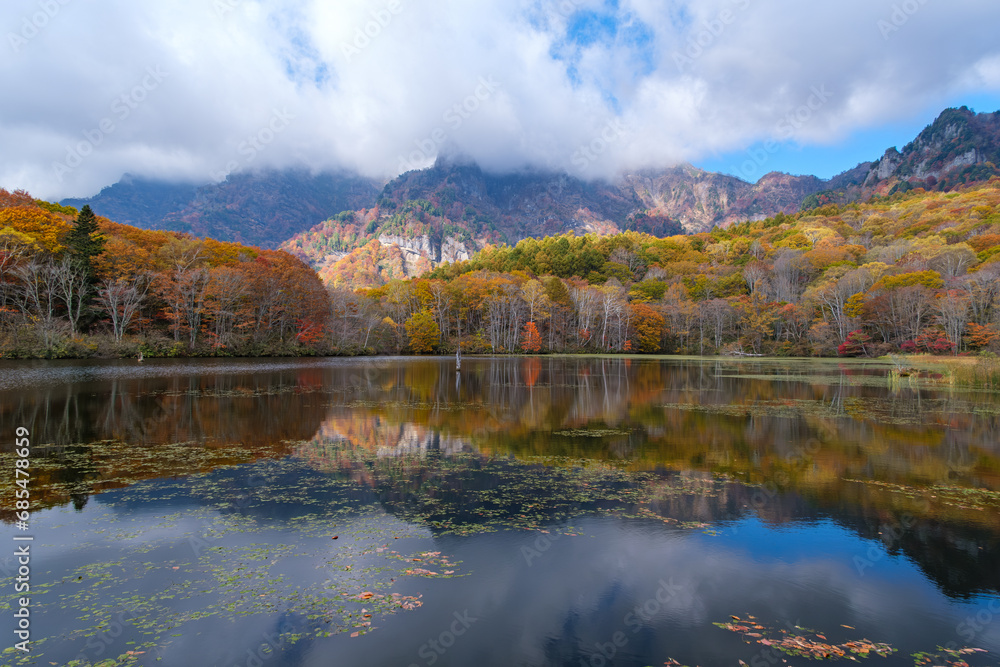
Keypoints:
(531, 339)
(647, 328)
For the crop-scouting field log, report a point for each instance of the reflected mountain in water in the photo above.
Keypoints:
(787, 442)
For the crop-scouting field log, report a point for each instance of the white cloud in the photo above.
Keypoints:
(369, 81)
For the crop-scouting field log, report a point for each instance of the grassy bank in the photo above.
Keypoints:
(980, 372)
(28, 345)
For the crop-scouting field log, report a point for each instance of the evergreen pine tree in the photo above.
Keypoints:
(84, 242)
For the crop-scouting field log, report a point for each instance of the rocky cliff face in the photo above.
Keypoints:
(960, 146)
(700, 200)
(415, 249)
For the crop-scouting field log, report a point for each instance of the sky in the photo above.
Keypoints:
(192, 90)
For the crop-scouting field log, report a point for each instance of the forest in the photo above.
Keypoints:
(913, 272)
(74, 285)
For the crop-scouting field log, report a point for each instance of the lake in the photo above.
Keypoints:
(529, 511)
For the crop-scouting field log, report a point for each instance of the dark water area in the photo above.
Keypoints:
(529, 511)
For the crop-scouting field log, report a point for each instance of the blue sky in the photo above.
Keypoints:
(193, 90)
(826, 161)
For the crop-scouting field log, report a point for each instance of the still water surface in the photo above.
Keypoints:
(534, 511)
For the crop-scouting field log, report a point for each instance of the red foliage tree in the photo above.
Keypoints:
(531, 339)
(856, 345)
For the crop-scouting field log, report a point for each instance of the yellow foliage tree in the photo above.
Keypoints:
(423, 331)
(45, 229)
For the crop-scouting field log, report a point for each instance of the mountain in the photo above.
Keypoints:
(700, 200)
(453, 209)
(261, 209)
(138, 201)
(960, 147)
(448, 212)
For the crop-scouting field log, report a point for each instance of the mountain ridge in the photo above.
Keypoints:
(453, 208)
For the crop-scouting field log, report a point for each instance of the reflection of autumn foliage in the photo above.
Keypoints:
(532, 369)
(794, 443)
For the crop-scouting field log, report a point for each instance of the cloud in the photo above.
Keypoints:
(372, 84)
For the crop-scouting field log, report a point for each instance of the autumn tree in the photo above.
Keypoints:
(647, 328)
(44, 229)
(71, 288)
(225, 293)
(952, 309)
(681, 314)
(756, 321)
(36, 297)
(534, 294)
(506, 311)
(531, 340)
(718, 316)
(183, 291)
(981, 337)
(858, 344)
(983, 288)
(443, 299)
(121, 299)
(757, 274)
(423, 332)
(560, 311)
(14, 247)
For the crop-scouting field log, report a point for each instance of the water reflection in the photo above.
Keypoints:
(742, 417)
(804, 492)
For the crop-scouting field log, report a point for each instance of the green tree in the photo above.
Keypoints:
(423, 331)
(648, 291)
(84, 242)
